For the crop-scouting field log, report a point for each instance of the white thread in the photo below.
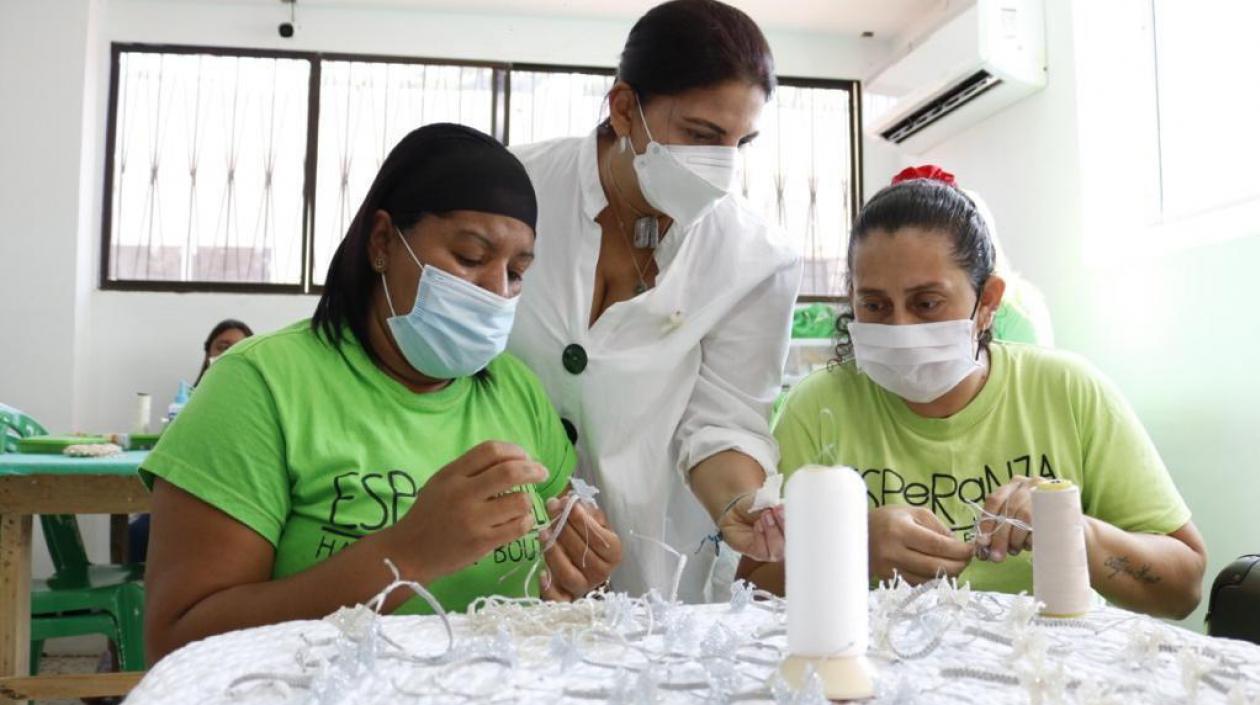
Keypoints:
(529, 640)
(828, 438)
(377, 603)
(144, 413)
(982, 515)
(280, 682)
(678, 569)
(1060, 565)
(582, 492)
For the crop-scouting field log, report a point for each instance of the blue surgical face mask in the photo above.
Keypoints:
(455, 327)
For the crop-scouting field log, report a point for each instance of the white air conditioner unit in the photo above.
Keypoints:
(986, 58)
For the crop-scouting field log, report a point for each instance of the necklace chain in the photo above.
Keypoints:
(621, 227)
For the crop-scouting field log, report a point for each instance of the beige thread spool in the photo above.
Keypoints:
(144, 412)
(1060, 563)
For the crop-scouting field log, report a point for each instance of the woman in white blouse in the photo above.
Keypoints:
(657, 312)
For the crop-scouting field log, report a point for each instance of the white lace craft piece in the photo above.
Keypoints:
(933, 644)
(584, 491)
(92, 450)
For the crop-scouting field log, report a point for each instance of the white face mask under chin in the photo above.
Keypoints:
(919, 362)
(684, 181)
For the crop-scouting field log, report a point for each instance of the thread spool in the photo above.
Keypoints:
(144, 412)
(826, 581)
(1060, 564)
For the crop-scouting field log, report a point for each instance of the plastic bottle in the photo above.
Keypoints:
(181, 398)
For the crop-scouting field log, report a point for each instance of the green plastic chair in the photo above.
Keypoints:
(80, 597)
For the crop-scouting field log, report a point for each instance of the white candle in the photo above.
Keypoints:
(1060, 564)
(826, 576)
(827, 581)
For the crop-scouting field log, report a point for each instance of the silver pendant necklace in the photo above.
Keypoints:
(640, 286)
(647, 228)
(647, 232)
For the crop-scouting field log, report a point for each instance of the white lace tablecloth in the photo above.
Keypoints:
(935, 644)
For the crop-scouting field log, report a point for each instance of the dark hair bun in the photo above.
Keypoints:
(685, 44)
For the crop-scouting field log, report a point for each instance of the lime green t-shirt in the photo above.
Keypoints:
(1041, 413)
(313, 450)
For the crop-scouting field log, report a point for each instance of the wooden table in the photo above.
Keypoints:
(33, 484)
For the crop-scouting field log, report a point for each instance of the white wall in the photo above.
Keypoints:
(1025, 161)
(73, 355)
(48, 172)
(380, 30)
(148, 342)
(42, 160)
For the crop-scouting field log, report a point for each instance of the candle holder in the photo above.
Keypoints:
(843, 677)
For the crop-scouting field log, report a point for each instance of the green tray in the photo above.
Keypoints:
(54, 444)
(143, 441)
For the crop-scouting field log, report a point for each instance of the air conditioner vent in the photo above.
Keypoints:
(961, 94)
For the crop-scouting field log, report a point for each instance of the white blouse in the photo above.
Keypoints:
(665, 380)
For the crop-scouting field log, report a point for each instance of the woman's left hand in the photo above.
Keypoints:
(758, 535)
(583, 557)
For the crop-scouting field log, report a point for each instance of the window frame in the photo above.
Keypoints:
(542, 68)
(500, 110)
(315, 59)
(856, 186)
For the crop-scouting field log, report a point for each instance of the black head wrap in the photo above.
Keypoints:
(435, 169)
(445, 167)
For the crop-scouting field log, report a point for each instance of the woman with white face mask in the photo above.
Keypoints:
(939, 418)
(386, 427)
(657, 313)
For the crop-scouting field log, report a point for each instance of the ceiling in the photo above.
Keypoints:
(886, 18)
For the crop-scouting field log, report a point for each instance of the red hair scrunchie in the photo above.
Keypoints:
(927, 171)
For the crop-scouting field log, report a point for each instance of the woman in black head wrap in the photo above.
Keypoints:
(388, 426)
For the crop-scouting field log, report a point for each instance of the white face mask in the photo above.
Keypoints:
(684, 181)
(213, 359)
(918, 362)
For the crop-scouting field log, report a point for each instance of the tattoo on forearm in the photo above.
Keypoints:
(1122, 564)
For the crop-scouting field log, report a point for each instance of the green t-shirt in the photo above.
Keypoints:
(1041, 413)
(313, 450)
